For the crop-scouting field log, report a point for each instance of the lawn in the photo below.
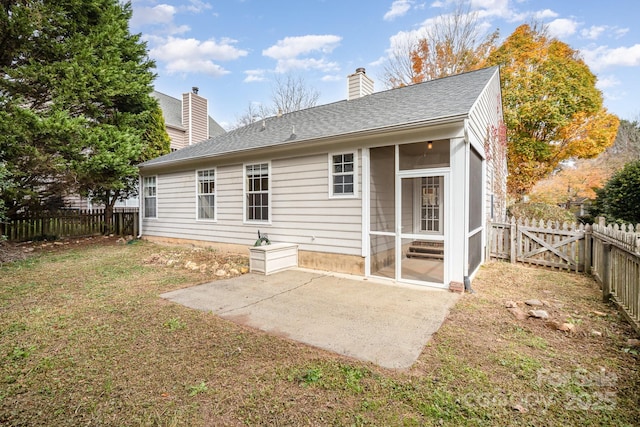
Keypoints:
(86, 340)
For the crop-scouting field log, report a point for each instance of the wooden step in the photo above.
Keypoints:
(423, 255)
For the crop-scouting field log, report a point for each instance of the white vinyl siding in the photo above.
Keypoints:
(257, 192)
(299, 209)
(206, 193)
(150, 197)
(342, 172)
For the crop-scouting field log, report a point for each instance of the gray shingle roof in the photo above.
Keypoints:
(172, 112)
(420, 103)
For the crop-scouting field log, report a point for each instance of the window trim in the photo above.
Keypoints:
(245, 219)
(215, 194)
(144, 196)
(333, 195)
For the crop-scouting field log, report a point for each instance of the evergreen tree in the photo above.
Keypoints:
(75, 101)
(619, 199)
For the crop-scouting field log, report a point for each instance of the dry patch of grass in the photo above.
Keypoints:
(85, 339)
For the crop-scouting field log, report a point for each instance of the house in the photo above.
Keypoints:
(187, 120)
(397, 184)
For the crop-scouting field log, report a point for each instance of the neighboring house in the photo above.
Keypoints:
(393, 184)
(187, 122)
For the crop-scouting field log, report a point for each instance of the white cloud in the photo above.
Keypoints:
(398, 8)
(544, 14)
(197, 6)
(619, 32)
(195, 56)
(607, 82)
(304, 53)
(602, 56)
(332, 78)
(175, 48)
(290, 47)
(255, 76)
(593, 32)
(562, 27)
(285, 65)
(195, 66)
(160, 14)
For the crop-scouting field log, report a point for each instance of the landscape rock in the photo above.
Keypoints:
(221, 273)
(520, 408)
(566, 327)
(534, 302)
(511, 304)
(632, 342)
(599, 313)
(517, 313)
(539, 314)
(191, 265)
(234, 271)
(561, 326)
(244, 270)
(596, 333)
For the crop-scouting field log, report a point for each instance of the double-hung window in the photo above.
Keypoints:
(207, 194)
(257, 192)
(342, 169)
(149, 195)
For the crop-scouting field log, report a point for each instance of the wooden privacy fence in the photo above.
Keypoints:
(611, 253)
(72, 223)
(616, 266)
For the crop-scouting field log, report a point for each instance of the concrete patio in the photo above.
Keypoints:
(383, 323)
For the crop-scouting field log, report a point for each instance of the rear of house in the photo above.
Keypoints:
(396, 184)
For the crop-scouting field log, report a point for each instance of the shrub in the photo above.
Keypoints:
(544, 211)
(619, 199)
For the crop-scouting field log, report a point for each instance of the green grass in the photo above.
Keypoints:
(86, 340)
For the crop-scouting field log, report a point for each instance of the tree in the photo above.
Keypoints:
(252, 114)
(553, 110)
(75, 102)
(626, 147)
(452, 44)
(289, 94)
(619, 199)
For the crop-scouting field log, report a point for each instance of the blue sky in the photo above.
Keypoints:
(234, 49)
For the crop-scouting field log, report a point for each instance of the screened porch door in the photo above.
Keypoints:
(421, 241)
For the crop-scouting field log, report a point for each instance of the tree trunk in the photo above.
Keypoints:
(110, 201)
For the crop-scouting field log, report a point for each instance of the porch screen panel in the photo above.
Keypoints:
(383, 193)
(422, 155)
(475, 251)
(475, 190)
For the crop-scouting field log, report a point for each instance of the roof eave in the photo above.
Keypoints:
(325, 139)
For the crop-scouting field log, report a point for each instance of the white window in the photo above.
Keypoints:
(257, 192)
(207, 194)
(149, 194)
(342, 169)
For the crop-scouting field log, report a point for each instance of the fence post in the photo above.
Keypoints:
(512, 241)
(588, 243)
(606, 271)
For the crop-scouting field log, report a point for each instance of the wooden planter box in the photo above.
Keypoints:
(272, 258)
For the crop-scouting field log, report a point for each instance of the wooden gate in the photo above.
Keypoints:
(553, 245)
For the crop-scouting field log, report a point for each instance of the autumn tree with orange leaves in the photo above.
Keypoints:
(450, 44)
(553, 110)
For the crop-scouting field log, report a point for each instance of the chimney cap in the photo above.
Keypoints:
(195, 89)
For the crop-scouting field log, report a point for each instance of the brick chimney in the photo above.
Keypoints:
(359, 84)
(195, 117)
